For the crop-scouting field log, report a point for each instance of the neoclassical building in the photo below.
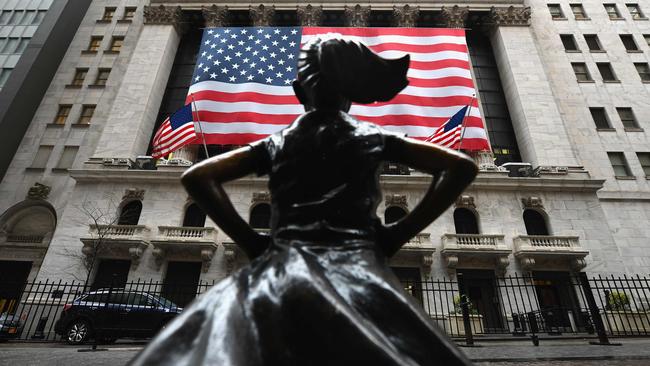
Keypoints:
(563, 88)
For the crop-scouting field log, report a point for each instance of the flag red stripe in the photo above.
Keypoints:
(440, 64)
(440, 82)
(417, 48)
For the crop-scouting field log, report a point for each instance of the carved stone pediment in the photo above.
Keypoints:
(215, 16)
(356, 16)
(261, 197)
(261, 15)
(164, 15)
(454, 17)
(405, 16)
(532, 202)
(465, 201)
(38, 192)
(133, 194)
(510, 16)
(310, 16)
(396, 200)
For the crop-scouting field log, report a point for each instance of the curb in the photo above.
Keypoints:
(564, 358)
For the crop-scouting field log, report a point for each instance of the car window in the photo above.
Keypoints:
(137, 299)
(95, 298)
(119, 298)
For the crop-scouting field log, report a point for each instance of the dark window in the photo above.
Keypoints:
(111, 273)
(600, 117)
(606, 72)
(393, 214)
(580, 69)
(535, 223)
(95, 42)
(578, 11)
(102, 77)
(79, 76)
(383, 18)
(635, 11)
(556, 11)
(129, 13)
(285, 18)
(465, 221)
(116, 44)
(643, 70)
(62, 114)
(194, 216)
(87, 112)
(592, 42)
(108, 14)
(619, 164)
(628, 42)
(22, 45)
(644, 160)
(130, 213)
(627, 118)
(261, 216)
(612, 11)
(569, 42)
(181, 282)
(647, 39)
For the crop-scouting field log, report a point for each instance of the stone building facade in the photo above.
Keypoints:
(565, 191)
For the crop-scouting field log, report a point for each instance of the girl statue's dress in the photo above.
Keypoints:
(318, 291)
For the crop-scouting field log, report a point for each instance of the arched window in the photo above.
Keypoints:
(130, 213)
(194, 216)
(535, 223)
(465, 221)
(393, 214)
(261, 216)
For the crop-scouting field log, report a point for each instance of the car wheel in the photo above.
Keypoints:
(78, 332)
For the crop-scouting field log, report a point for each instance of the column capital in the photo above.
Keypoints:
(215, 16)
(310, 16)
(261, 15)
(356, 16)
(454, 17)
(510, 16)
(405, 16)
(164, 15)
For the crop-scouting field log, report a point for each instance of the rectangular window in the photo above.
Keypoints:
(644, 159)
(86, 114)
(29, 16)
(116, 44)
(5, 16)
(42, 156)
(62, 114)
(39, 17)
(612, 11)
(627, 118)
(580, 69)
(556, 11)
(606, 72)
(79, 76)
(67, 157)
(644, 71)
(569, 42)
(129, 13)
(102, 76)
(578, 11)
(108, 14)
(635, 11)
(619, 164)
(600, 118)
(10, 45)
(16, 17)
(628, 42)
(647, 39)
(592, 42)
(22, 44)
(4, 75)
(95, 42)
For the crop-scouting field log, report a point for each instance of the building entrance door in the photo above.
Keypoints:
(481, 289)
(557, 299)
(181, 281)
(111, 273)
(411, 280)
(14, 275)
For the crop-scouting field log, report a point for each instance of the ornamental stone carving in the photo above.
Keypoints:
(133, 194)
(215, 16)
(532, 202)
(465, 201)
(261, 197)
(454, 17)
(261, 15)
(135, 253)
(38, 192)
(206, 259)
(405, 16)
(356, 16)
(310, 16)
(501, 264)
(396, 200)
(164, 15)
(510, 16)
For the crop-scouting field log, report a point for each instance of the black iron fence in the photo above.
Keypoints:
(469, 307)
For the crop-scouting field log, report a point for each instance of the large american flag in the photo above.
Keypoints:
(242, 81)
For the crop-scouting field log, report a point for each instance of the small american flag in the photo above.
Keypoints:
(242, 81)
(174, 133)
(448, 134)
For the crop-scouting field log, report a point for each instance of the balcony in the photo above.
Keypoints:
(188, 242)
(418, 251)
(117, 240)
(536, 251)
(24, 241)
(485, 250)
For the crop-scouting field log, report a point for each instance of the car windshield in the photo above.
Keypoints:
(164, 302)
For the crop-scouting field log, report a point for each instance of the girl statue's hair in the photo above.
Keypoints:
(348, 68)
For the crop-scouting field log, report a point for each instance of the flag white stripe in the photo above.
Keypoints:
(426, 57)
(176, 136)
(419, 131)
(411, 40)
(440, 73)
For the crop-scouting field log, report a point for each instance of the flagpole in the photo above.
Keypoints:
(462, 124)
(198, 120)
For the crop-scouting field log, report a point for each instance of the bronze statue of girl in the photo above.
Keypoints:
(318, 290)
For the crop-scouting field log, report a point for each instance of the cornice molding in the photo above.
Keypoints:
(510, 16)
(164, 15)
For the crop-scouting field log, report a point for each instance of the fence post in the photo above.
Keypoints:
(464, 306)
(595, 312)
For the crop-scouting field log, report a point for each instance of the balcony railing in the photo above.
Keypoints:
(473, 241)
(27, 239)
(546, 243)
(187, 233)
(118, 231)
(535, 250)
(489, 249)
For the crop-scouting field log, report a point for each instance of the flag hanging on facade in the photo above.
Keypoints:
(242, 81)
(448, 135)
(174, 133)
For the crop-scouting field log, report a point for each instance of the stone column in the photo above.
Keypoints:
(261, 15)
(454, 17)
(405, 16)
(310, 16)
(133, 115)
(537, 122)
(215, 16)
(356, 16)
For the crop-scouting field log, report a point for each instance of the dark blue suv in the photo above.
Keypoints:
(116, 313)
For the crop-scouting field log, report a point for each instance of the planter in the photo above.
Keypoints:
(455, 327)
(621, 322)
